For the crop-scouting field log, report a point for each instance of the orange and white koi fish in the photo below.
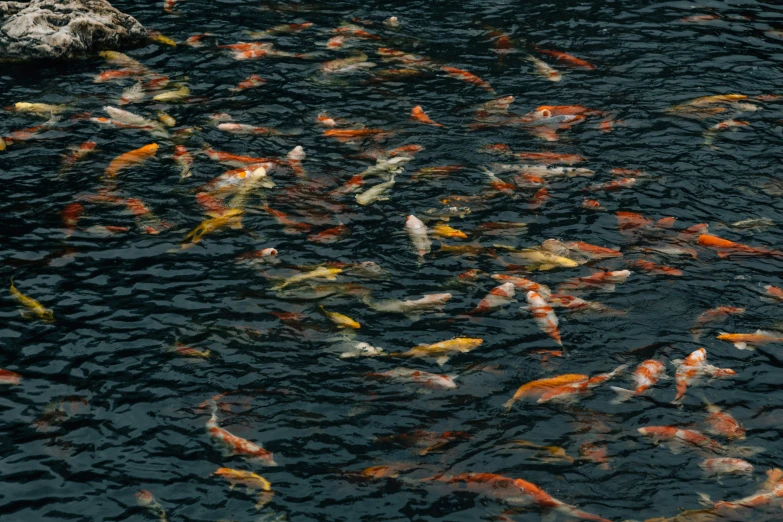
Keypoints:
(646, 375)
(592, 204)
(649, 266)
(545, 70)
(604, 281)
(417, 231)
(568, 59)
(727, 248)
(351, 64)
(430, 380)
(116, 74)
(250, 480)
(183, 158)
(615, 184)
(9, 377)
(237, 445)
(267, 255)
(678, 439)
(294, 158)
(721, 313)
(580, 248)
(723, 424)
(769, 492)
(693, 367)
(550, 157)
(544, 315)
(726, 466)
(466, 76)
(244, 129)
(775, 294)
(418, 114)
(571, 392)
(250, 82)
(232, 160)
(515, 492)
(78, 153)
(129, 159)
(358, 32)
(524, 284)
(497, 298)
(541, 386)
(747, 341)
(335, 42)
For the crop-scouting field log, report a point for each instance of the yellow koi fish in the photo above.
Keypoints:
(33, 307)
(342, 321)
(250, 480)
(443, 348)
(231, 218)
(172, 96)
(329, 274)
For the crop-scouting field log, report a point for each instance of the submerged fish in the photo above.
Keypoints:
(32, 307)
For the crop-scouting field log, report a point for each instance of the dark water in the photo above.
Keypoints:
(105, 409)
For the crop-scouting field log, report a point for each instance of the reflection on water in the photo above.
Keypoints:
(232, 261)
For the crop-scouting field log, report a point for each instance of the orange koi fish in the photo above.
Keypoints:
(541, 386)
(9, 377)
(330, 235)
(418, 114)
(134, 157)
(775, 293)
(116, 74)
(71, 214)
(496, 298)
(524, 284)
(592, 204)
(604, 281)
(570, 392)
(515, 492)
(232, 160)
(250, 82)
(351, 134)
(646, 375)
(236, 445)
(291, 226)
(718, 314)
(649, 266)
(727, 248)
(551, 157)
(466, 77)
(568, 59)
(746, 341)
(544, 315)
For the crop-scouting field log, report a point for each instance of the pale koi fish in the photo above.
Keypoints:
(430, 380)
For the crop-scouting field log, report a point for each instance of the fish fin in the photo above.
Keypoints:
(442, 360)
(743, 346)
(509, 404)
(622, 395)
(704, 499)
(414, 317)
(453, 376)
(676, 362)
(549, 516)
(769, 300)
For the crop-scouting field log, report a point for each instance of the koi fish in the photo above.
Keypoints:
(350, 134)
(232, 218)
(594, 452)
(267, 255)
(41, 109)
(443, 230)
(649, 266)
(294, 158)
(586, 250)
(592, 204)
(410, 306)
(497, 298)
(723, 424)
(417, 231)
(693, 367)
(250, 480)
(545, 70)
(347, 65)
(570, 60)
(120, 59)
(145, 499)
(570, 392)
(245, 130)
(516, 492)
(524, 284)
(172, 96)
(775, 294)
(291, 226)
(727, 248)
(550, 157)
(418, 114)
(430, 380)
(71, 214)
(544, 315)
(538, 259)
(78, 153)
(604, 281)
(330, 274)
(442, 349)
(772, 489)
(128, 159)
(615, 184)
(726, 466)
(189, 351)
(678, 439)
(541, 386)
(232, 160)
(280, 29)
(375, 193)
(466, 76)
(9, 377)
(236, 445)
(714, 315)
(342, 321)
(747, 341)
(33, 307)
(183, 158)
(646, 375)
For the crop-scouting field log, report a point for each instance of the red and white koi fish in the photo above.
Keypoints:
(183, 158)
(693, 367)
(678, 439)
(571, 392)
(237, 445)
(604, 281)
(233, 160)
(544, 315)
(516, 492)
(770, 491)
(496, 298)
(775, 294)
(649, 266)
(250, 82)
(430, 380)
(646, 375)
(723, 424)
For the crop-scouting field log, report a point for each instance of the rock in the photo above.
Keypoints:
(57, 29)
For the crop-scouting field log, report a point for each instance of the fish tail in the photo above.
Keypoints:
(622, 395)
(509, 404)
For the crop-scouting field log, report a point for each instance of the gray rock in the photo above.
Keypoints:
(57, 29)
